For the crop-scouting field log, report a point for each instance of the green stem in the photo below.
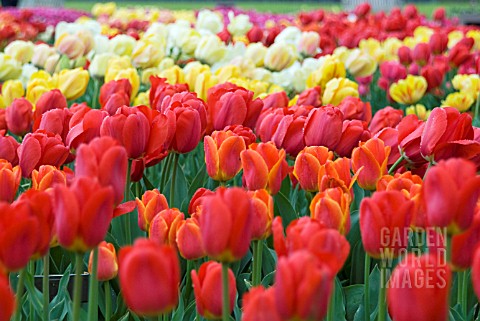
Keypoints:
(477, 107)
(257, 262)
(93, 289)
(46, 287)
(382, 302)
(172, 182)
(77, 286)
(96, 88)
(126, 217)
(394, 166)
(108, 300)
(225, 293)
(165, 172)
(19, 294)
(462, 292)
(366, 292)
(31, 271)
(448, 247)
(188, 280)
(331, 305)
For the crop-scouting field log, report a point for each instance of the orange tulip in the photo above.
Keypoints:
(264, 166)
(189, 239)
(222, 154)
(164, 225)
(226, 224)
(207, 286)
(149, 277)
(369, 161)
(262, 214)
(307, 166)
(152, 202)
(9, 180)
(332, 208)
(47, 176)
(196, 200)
(83, 212)
(336, 174)
(107, 262)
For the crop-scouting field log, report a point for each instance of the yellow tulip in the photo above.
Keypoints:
(40, 82)
(203, 82)
(9, 68)
(419, 110)
(20, 50)
(107, 8)
(454, 37)
(475, 35)
(337, 89)
(331, 68)
(390, 49)
(409, 90)
(373, 48)
(142, 99)
(459, 100)
(192, 71)
(11, 90)
(228, 72)
(73, 83)
(256, 53)
(360, 64)
(174, 75)
(147, 73)
(2, 103)
(128, 73)
(423, 33)
(280, 56)
(469, 84)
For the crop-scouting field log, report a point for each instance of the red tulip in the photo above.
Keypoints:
(41, 148)
(448, 133)
(18, 235)
(207, 286)
(329, 246)
(386, 117)
(130, 127)
(196, 200)
(3, 120)
(255, 34)
(410, 131)
(164, 225)
(405, 55)
(323, 127)
(362, 9)
(353, 108)
(438, 43)
(419, 286)
(55, 121)
(83, 212)
(10, 177)
(434, 77)
(389, 136)
(421, 54)
(451, 191)
(103, 158)
(458, 55)
(39, 204)
(262, 209)
(311, 97)
(53, 99)
(226, 224)
(189, 239)
(8, 148)
(107, 267)
(353, 132)
(222, 154)
(332, 208)
(385, 220)
(162, 131)
(156, 291)
(191, 120)
(259, 305)
(161, 89)
(245, 132)
(229, 104)
(84, 125)
(307, 166)
(264, 166)
(19, 116)
(121, 87)
(7, 303)
(302, 287)
(464, 244)
(369, 161)
(439, 14)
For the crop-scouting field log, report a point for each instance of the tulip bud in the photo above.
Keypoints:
(11, 90)
(369, 161)
(70, 45)
(409, 90)
(8, 149)
(207, 286)
(421, 54)
(338, 89)
(73, 83)
(405, 55)
(19, 116)
(152, 202)
(259, 305)
(9, 181)
(189, 239)
(332, 208)
(262, 207)
(48, 176)
(164, 225)
(307, 166)
(107, 262)
(438, 43)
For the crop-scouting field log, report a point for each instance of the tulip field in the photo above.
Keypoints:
(230, 164)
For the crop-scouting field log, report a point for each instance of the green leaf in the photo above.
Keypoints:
(353, 299)
(284, 209)
(178, 315)
(269, 260)
(268, 279)
(339, 314)
(34, 295)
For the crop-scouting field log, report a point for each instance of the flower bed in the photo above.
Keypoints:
(243, 165)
